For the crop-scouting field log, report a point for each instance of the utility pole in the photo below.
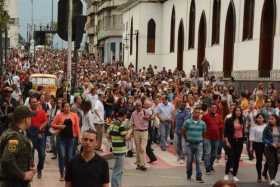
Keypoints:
(1, 51)
(52, 14)
(137, 50)
(32, 43)
(52, 25)
(69, 60)
(6, 47)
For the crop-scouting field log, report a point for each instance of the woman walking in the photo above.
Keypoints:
(67, 125)
(234, 138)
(271, 139)
(257, 145)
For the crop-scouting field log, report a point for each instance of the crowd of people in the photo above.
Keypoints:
(205, 119)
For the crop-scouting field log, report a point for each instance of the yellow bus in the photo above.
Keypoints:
(47, 81)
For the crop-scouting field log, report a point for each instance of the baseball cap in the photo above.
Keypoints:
(23, 112)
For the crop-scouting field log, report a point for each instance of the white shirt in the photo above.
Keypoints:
(16, 95)
(16, 80)
(99, 109)
(256, 133)
(88, 122)
(93, 99)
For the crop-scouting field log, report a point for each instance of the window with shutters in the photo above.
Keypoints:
(151, 36)
(192, 25)
(248, 21)
(216, 22)
(172, 30)
(131, 37)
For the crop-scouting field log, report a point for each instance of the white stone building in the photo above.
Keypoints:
(13, 28)
(240, 38)
(104, 29)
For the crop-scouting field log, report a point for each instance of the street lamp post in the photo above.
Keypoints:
(137, 47)
(69, 60)
(6, 47)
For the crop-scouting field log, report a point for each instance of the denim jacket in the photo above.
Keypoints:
(267, 135)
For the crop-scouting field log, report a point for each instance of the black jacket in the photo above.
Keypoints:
(229, 129)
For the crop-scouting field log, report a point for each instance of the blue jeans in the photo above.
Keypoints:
(210, 152)
(39, 144)
(65, 149)
(179, 145)
(117, 170)
(193, 151)
(164, 133)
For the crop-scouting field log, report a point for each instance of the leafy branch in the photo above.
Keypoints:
(4, 17)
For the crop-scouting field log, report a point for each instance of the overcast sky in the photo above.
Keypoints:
(42, 14)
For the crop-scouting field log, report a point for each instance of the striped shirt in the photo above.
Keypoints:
(194, 130)
(117, 132)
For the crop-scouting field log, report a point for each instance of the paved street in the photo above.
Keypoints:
(165, 173)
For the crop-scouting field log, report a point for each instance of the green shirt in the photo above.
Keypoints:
(118, 131)
(194, 130)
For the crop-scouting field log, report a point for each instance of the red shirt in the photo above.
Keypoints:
(214, 125)
(40, 118)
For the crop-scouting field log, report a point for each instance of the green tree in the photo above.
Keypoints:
(4, 17)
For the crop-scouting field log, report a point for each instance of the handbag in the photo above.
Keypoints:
(54, 131)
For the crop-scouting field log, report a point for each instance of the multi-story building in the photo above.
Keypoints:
(13, 27)
(105, 29)
(240, 38)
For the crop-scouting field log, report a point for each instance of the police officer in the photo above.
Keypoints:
(16, 163)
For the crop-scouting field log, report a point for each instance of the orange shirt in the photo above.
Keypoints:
(259, 103)
(60, 118)
(244, 104)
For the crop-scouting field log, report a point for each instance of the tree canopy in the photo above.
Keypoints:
(4, 17)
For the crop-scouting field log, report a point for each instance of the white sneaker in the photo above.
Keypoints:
(235, 179)
(181, 162)
(274, 183)
(226, 177)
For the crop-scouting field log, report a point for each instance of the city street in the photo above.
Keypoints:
(166, 172)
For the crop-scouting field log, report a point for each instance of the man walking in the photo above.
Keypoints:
(213, 135)
(192, 131)
(87, 169)
(165, 112)
(140, 122)
(37, 133)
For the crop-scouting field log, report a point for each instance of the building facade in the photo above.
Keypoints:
(105, 29)
(13, 27)
(239, 38)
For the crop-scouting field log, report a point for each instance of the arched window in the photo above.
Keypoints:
(131, 37)
(216, 22)
(172, 30)
(151, 39)
(192, 25)
(268, 26)
(248, 21)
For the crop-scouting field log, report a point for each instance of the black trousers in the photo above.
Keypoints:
(259, 152)
(14, 183)
(271, 155)
(234, 154)
(149, 149)
(248, 147)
